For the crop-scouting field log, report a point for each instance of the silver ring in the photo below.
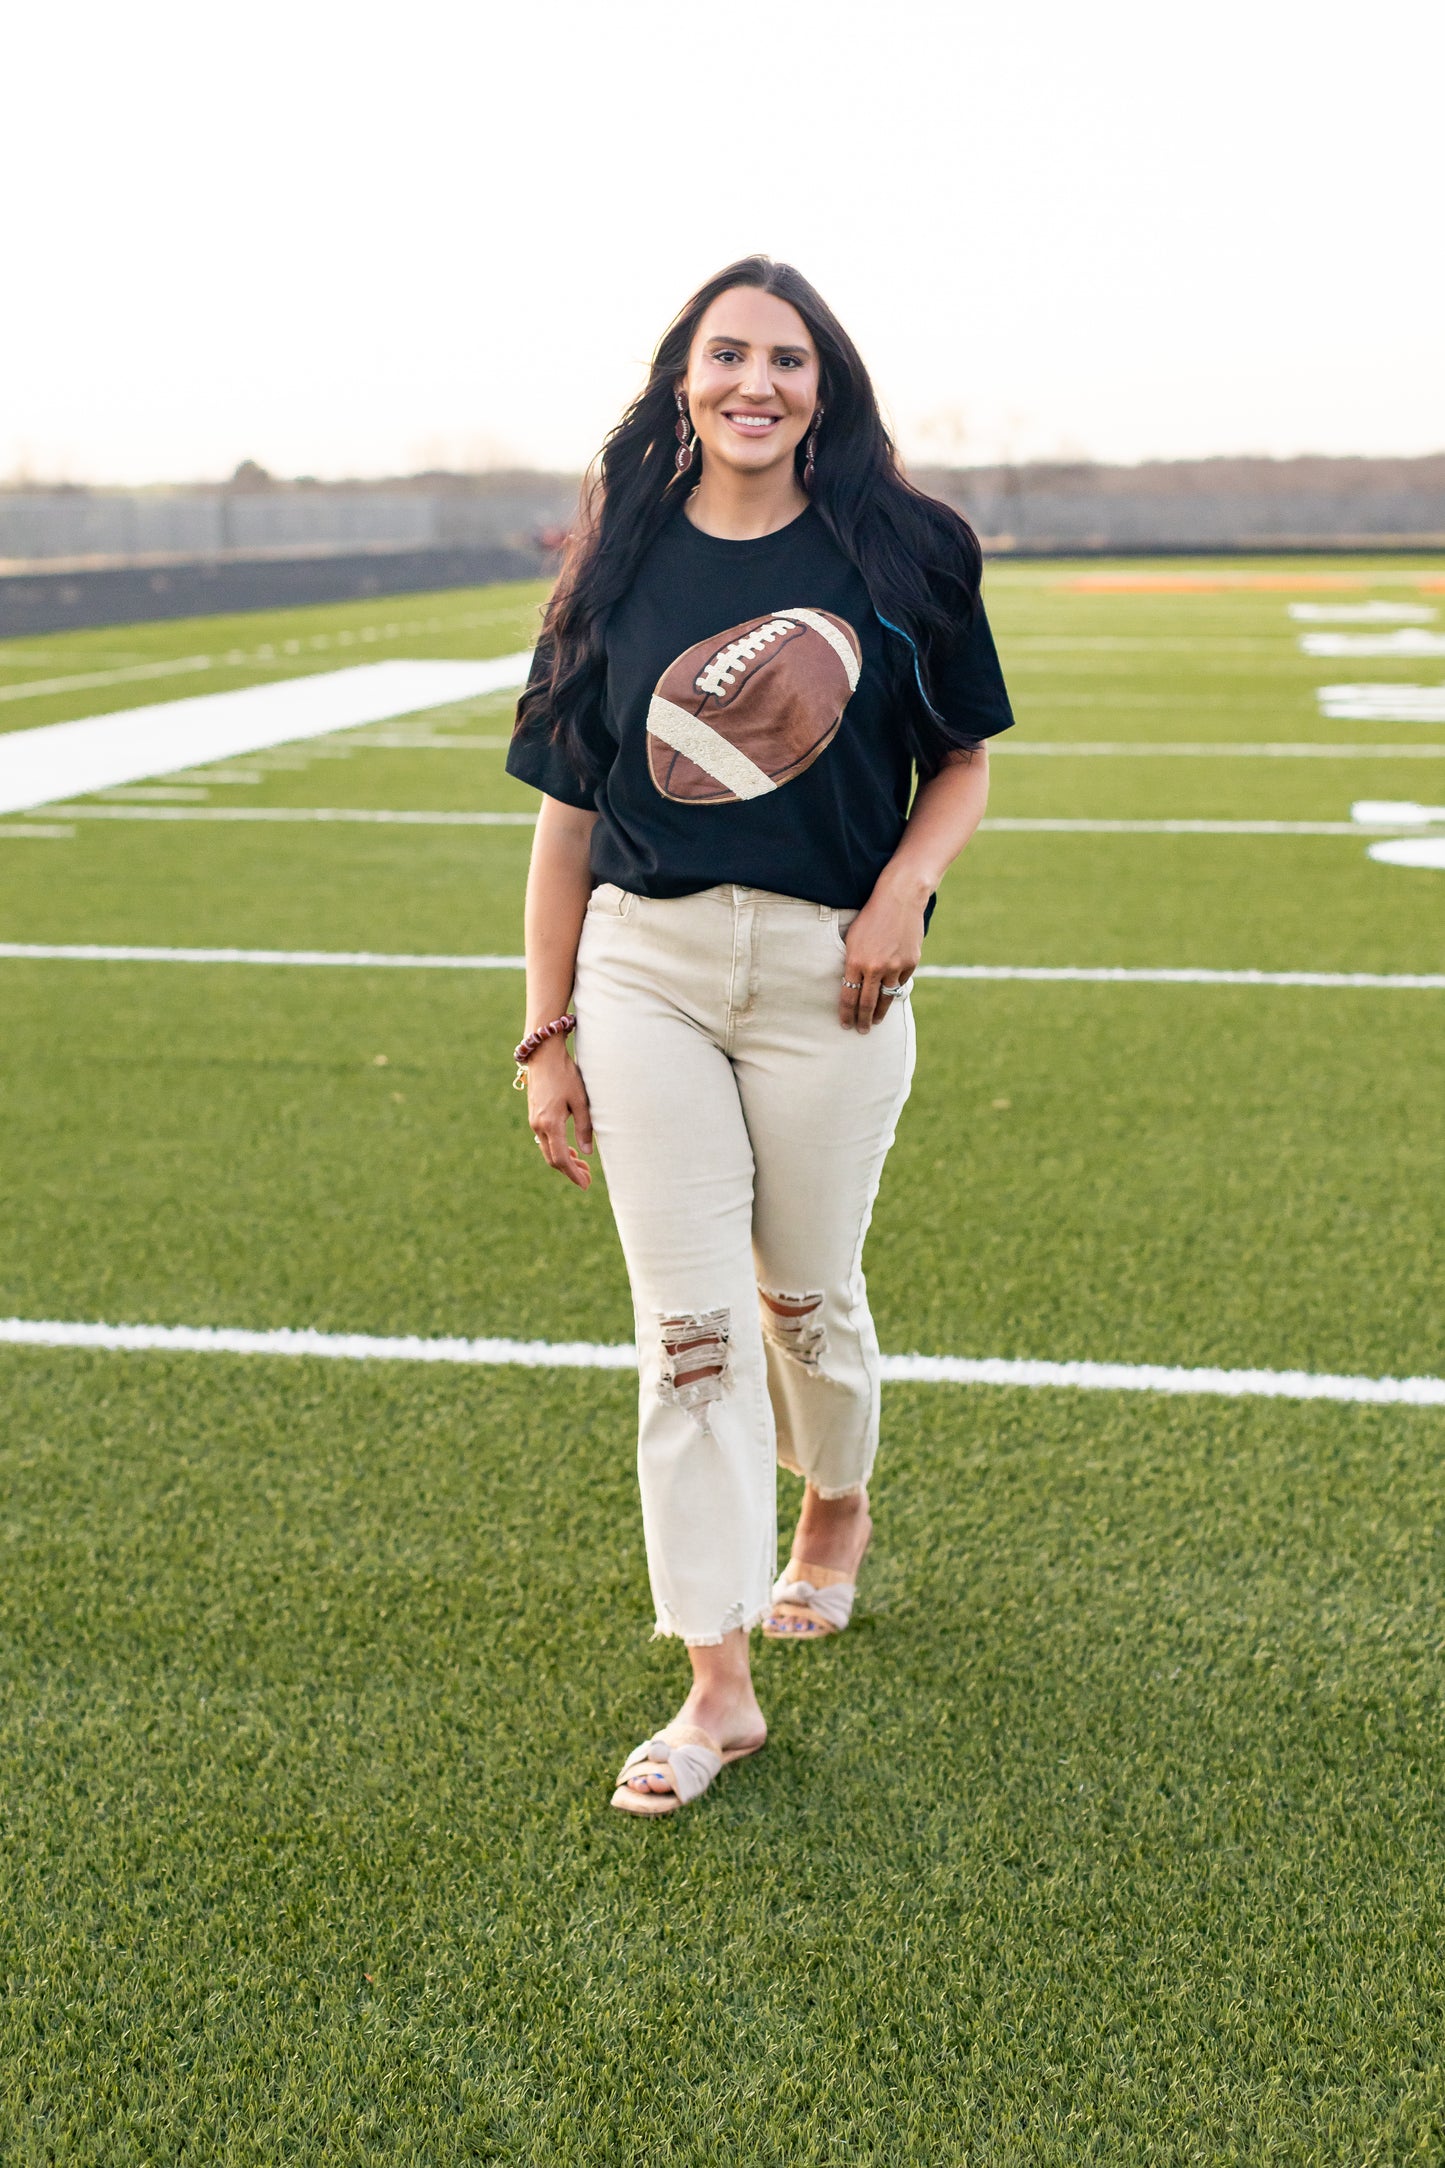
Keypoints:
(853, 985)
(893, 991)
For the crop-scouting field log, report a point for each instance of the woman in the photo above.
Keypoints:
(761, 633)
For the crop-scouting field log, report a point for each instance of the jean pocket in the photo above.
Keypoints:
(840, 922)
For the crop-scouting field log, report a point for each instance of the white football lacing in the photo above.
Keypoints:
(730, 661)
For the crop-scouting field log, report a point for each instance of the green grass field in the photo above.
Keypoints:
(1111, 1833)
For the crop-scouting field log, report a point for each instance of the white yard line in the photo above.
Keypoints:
(344, 959)
(1083, 749)
(1140, 975)
(364, 815)
(1209, 749)
(370, 814)
(268, 655)
(36, 832)
(396, 741)
(133, 674)
(1147, 828)
(63, 760)
(1416, 1392)
(381, 960)
(1048, 643)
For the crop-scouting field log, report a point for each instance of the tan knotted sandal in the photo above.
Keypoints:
(811, 1602)
(686, 1757)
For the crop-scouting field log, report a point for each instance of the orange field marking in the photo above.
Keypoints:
(1194, 583)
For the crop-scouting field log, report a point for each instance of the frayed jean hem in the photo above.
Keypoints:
(745, 1623)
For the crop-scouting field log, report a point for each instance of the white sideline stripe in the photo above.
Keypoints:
(1419, 1392)
(1217, 749)
(707, 748)
(373, 960)
(363, 814)
(36, 831)
(97, 752)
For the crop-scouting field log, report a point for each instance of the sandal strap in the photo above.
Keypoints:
(833, 1603)
(690, 1763)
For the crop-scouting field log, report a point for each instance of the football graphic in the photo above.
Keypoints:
(746, 711)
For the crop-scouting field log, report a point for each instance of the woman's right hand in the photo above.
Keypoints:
(556, 1095)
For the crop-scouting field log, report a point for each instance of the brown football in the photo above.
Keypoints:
(742, 713)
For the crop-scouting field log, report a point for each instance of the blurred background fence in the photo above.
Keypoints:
(1188, 504)
(81, 524)
(79, 556)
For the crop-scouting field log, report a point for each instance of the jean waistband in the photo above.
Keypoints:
(620, 902)
(735, 892)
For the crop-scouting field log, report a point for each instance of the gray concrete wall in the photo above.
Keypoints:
(75, 524)
(1200, 504)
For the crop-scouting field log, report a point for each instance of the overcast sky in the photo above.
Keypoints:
(361, 239)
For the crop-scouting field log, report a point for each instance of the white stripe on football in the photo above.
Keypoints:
(707, 749)
(743, 713)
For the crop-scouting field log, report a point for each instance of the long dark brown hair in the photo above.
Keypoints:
(919, 560)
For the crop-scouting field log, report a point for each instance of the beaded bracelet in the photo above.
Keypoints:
(522, 1054)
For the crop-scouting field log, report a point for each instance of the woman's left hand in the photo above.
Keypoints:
(882, 948)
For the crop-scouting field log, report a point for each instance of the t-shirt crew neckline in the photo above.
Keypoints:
(730, 546)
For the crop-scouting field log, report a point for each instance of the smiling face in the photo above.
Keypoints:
(752, 381)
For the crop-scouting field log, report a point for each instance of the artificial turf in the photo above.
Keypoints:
(1109, 1833)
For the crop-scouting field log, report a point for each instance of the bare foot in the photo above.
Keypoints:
(833, 1532)
(738, 1725)
(722, 1704)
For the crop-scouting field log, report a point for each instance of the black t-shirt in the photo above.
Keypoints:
(748, 731)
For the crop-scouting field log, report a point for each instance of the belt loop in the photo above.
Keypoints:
(825, 912)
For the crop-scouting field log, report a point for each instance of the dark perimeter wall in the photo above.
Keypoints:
(36, 600)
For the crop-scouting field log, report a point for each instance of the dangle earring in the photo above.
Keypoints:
(810, 450)
(684, 434)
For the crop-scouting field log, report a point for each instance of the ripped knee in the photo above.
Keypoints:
(696, 1357)
(793, 1323)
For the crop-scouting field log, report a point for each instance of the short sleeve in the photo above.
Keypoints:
(535, 756)
(967, 682)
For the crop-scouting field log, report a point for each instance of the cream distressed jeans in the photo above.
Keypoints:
(742, 1131)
